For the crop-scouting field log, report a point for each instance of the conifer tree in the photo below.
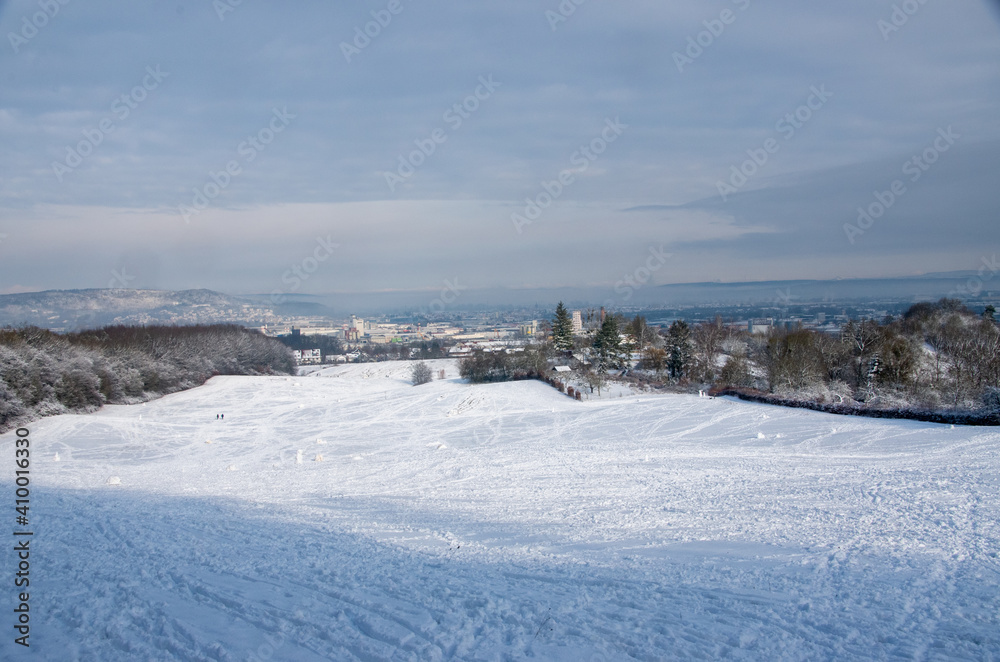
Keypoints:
(608, 344)
(679, 349)
(562, 328)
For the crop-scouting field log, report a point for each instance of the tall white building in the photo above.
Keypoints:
(577, 321)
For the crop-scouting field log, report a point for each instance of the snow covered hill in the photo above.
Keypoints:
(502, 522)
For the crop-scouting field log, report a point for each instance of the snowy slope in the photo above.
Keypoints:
(503, 522)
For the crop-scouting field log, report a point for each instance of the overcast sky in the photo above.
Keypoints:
(118, 122)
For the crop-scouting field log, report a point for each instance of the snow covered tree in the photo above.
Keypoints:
(678, 349)
(640, 332)
(654, 358)
(608, 345)
(534, 360)
(863, 339)
(707, 341)
(791, 360)
(562, 329)
(736, 371)
(421, 373)
(593, 379)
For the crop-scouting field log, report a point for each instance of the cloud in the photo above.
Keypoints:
(353, 121)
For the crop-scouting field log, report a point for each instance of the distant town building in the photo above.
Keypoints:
(529, 328)
(577, 321)
(307, 356)
(760, 325)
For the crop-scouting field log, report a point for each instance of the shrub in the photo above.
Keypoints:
(421, 373)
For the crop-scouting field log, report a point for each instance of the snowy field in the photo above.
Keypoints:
(502, 522)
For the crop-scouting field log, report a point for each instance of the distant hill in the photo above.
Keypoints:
(68, 310)
(927, 287)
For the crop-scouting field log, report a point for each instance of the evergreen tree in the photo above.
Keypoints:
(562, 328)
(608, 344)
(679, 349)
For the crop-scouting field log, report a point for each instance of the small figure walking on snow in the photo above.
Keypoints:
(216, 417)
(222, 416)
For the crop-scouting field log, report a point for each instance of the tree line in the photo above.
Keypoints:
(936, 356)
(44, 373)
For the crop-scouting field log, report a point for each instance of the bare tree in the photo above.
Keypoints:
(707, 339)
(421, 373)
